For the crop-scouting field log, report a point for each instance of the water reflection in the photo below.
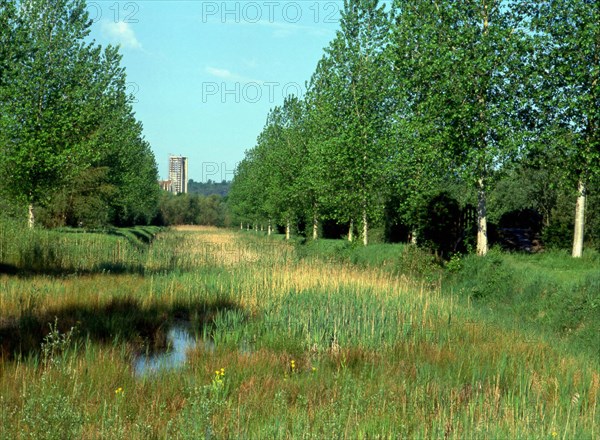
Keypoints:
(179, 341)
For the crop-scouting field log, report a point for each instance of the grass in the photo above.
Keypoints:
(549, 293)
(72, 251)
(546, 293)
(311, 344)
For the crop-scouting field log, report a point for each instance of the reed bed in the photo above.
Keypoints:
(299, 348)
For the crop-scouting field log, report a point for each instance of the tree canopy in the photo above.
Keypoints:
(419, 98)
(64, 112)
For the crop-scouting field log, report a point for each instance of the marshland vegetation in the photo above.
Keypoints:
(297, 340)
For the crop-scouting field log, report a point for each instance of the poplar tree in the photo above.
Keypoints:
(462, 63)
(281, 149)
(568, 56)
(48, 98)
(355, 152)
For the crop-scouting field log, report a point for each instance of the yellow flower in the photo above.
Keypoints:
(554, 433)
(119, 391)
(222, 372)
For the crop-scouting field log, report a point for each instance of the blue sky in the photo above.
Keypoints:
(206, 73)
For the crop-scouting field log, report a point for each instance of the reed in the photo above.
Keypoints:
(300, 346)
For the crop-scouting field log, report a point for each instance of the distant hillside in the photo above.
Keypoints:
(208, 188)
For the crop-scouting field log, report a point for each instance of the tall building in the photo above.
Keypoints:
(178, 174)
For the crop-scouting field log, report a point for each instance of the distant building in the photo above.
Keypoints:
(178, 174)
(166, 185)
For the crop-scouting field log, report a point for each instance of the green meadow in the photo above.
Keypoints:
(294, 340)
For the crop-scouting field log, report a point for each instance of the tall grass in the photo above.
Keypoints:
(549, 293)
(308, 347)
(71, 250)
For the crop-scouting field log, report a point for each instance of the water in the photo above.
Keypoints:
(179, 342)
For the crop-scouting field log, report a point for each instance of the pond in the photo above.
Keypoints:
(180, 340)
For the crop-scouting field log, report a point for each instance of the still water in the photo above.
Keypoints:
(179, 341)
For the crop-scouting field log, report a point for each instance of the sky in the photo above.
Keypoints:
(204, 74)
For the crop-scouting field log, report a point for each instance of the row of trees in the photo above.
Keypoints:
(69, 140)
(424, 95)
(209, 187)
(192, 209)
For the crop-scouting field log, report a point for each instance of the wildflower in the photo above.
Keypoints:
(293, 365)
(119, 391)
(554, 433)
(314, 370)
(219, 376)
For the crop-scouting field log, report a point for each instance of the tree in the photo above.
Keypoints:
(8, 16)
(462, 63)
(246, 198)
(68, 129)
(283, 156)
(354, 148)
(121, 147)
(319, 126)
(48, 98)
(568, 53)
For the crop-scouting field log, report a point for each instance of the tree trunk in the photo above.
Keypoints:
(579, 220)
(31, 218)
(315, 223)
(287, 230)
(269, 228)
(350, 229)
(247, 226)
(365, 227)
(413, 237)
(241, 225)
(482, 238)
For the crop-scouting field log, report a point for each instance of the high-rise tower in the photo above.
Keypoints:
(178, 174)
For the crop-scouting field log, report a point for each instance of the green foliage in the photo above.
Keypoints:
(209, 187)
(192, 209)
(547, 292)
(567, 89)
(48, 413)
(476, 99)
(440, 227)
(69, 140)
(353, 116)
(49, 99)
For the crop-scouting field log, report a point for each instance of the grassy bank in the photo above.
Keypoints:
(68, 250)
(294, 346)
(547, 293)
